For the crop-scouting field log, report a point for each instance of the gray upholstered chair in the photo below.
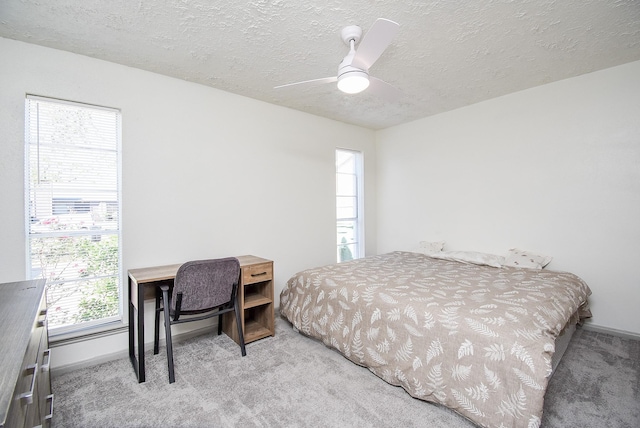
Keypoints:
(207, 288)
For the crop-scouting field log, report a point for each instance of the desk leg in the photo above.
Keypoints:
(136, 313)
(141, 376)
(131, 308)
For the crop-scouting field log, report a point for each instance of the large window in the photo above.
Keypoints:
(350, 243)
(73, 210)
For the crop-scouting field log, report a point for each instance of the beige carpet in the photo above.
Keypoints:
(292, 381)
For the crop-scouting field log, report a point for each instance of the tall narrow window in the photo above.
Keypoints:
(350, 243)
(73, 210)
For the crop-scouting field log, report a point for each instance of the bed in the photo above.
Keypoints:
(476, 338)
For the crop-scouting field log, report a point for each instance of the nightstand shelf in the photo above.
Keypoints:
(253, 331)
(255, 300)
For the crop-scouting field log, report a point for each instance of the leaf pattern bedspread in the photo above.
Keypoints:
(476, 339)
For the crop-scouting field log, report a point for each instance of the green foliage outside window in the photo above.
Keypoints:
(345, 252)
(82, 270)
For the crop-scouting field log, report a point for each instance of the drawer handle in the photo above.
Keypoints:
(43, 321)
(258, 274)
(47, 419)
(50, 415)
(47, 354)
(27, 397)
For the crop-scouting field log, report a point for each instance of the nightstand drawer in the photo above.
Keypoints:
(257, 273)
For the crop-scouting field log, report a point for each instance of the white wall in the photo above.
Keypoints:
(205, 173)
(554, 169)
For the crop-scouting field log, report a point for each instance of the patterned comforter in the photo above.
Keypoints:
(476, 339)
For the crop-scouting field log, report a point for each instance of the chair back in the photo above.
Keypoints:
(206, 284)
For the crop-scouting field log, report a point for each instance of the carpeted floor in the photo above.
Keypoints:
(292, 381)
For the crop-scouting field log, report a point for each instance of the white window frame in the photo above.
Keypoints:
(109, 322)
(357, 245)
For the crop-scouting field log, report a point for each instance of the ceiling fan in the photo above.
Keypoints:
(353, 72)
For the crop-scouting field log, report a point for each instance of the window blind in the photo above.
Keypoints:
(73, 210)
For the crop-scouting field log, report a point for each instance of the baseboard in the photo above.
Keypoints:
(612, 331)
(60, 370)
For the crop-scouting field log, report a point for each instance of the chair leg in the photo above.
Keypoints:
(219, 325)
(156, 331)
(236, 309)
(167, 330)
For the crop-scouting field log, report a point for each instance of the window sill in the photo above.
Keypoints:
(103, 330)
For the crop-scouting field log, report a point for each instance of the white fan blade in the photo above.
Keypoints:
(383, 89)
(374, 43)
(310, 82)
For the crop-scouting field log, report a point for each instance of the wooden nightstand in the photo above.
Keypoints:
(255, 298)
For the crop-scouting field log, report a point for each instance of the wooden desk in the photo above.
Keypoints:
(255, 295)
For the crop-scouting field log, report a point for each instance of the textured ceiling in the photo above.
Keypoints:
(447, 53)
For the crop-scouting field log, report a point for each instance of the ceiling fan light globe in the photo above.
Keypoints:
(353, 82)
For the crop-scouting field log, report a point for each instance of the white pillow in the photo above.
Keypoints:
(428, 248)
(472, 257)
(526, 259)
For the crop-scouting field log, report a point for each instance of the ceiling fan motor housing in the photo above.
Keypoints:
(346, 67)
